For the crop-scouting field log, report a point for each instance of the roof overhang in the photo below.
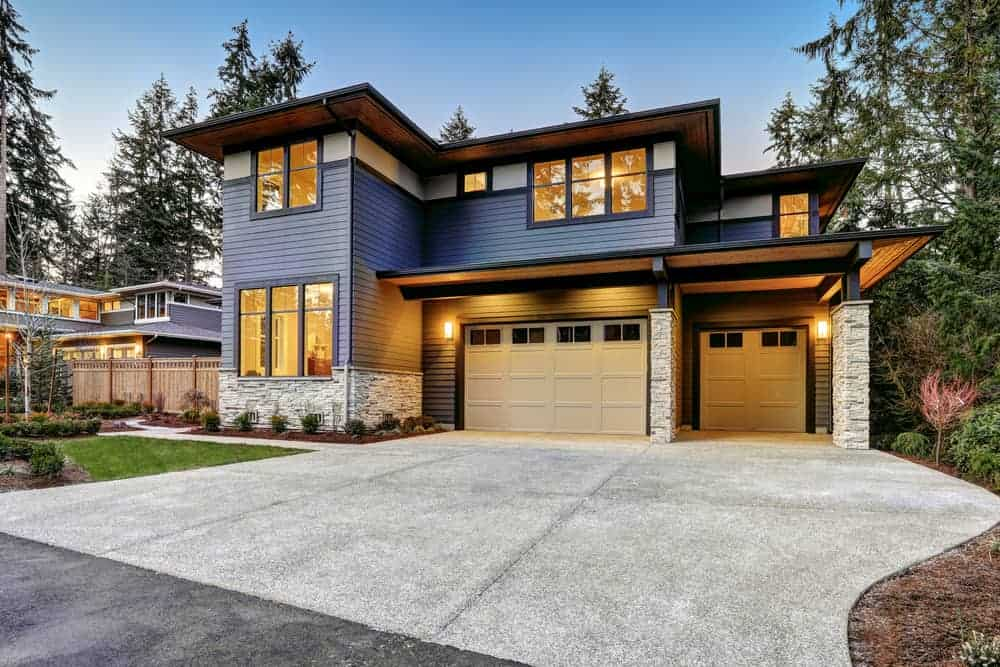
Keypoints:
(122, 333)
(694, 126)
(832, 180)
(815, 262)
(168, 285)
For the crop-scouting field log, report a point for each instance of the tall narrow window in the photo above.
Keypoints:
(628, 181)
(302, 163)
(549, 191)
(252, 313)
(284, 331)
(319, 329)
(270, 179)
(588, 185)
(793, 215)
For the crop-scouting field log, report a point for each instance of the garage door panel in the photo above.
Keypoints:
(562, 384)
(757, 384)
(622, 419)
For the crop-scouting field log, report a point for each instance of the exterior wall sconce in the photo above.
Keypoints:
(822, 329)
(449, 330)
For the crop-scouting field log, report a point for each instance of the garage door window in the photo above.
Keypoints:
(484, 337)
(779, 338)
(527, 335)
(721, 340)
(620, 332)
(577, 334)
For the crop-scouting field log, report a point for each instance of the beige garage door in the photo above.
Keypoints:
(753, 380)
(566, 377)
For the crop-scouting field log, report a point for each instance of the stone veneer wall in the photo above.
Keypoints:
(372, 394)
(851, 374)
(376, 392)
(662, 374)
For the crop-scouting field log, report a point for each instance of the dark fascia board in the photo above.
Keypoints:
(688, 249)
(777, 171)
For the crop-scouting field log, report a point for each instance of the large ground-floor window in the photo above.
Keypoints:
(287, 329)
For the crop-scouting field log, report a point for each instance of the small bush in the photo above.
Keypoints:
(14, 449)
(116, 410)
(388, 423)
(409, 425)
(46, 459)
(279, 423)
(978, 650)
(975, 446)
(148, 408)
(427, 421)
(210, 421)
(995, 548)
(310, 423)
(51, 428)
(92, 426)
(355, 428)
(191, 416)
(38, 417)
(912, 444)
(244, 421)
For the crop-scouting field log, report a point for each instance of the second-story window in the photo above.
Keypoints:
(286, 177)
(88, 309)
(793, 215)
(61, 306)
(600, 184)
(26, 301)
(151, 305)
(474, 182)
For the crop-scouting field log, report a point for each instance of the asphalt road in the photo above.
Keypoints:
(60, 607)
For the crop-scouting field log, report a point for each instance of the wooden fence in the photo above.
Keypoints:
(146, 380)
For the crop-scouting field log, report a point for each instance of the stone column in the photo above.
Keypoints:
(850, 374)
(662, 415)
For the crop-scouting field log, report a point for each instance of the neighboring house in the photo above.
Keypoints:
(600, 276)
(161, 319)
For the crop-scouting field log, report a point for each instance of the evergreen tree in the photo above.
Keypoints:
(602, 97)
(30, 157)
(783, 133)
(457, 128)
(248, 82)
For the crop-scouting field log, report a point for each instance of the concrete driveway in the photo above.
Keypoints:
(581, 551)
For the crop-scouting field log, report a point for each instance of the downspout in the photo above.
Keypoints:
(350, 275)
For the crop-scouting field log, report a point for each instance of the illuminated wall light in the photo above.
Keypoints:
(449, 331)
(822, 329)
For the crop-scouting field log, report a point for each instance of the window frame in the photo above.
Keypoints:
(299, 282)
(286, 172)
(567, 159)
(811, 212)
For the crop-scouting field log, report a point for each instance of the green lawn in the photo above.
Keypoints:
(129, 456)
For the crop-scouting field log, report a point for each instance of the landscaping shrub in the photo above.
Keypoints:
(978, 650)
(975, 445)
(116, 410)
(210, 421)
(310, 423)
(14, 449)
(147, 408)
(244, 421)
(50, 428)
(46, 459)
(388, 423)
(279, 423)
(191, 416)
(427, 421)
(355, 428)
(409, 425)
(912, 444)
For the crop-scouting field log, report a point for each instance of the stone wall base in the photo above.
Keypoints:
(372, 394)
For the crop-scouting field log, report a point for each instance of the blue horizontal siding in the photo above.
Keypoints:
(494, 228)
(285, 246)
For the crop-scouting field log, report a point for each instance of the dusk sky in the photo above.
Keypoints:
(515, 67)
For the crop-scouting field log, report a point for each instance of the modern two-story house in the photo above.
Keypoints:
(599, 276)
(159, 319)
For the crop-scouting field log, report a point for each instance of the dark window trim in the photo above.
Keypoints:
(459, 188)
(300, 282)
(286, 179)
(812, 211)
(607, 216)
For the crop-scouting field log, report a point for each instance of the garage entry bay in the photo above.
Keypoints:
(567, 377)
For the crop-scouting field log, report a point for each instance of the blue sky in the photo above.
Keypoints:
(511, 67)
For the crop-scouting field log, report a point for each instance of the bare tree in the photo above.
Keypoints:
(32, 320)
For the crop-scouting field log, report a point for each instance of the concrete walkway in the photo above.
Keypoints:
(549, 550)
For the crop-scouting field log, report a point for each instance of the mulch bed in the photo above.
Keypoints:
(917, 617)
(322, 436)
(16, 476)
(116, 426)
(168, 420)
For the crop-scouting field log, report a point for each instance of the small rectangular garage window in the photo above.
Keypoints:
(616, 332)
(789, 338)
(577, 334)
(720, 340)
(776, 338)
(484, 337)
(525, 335)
